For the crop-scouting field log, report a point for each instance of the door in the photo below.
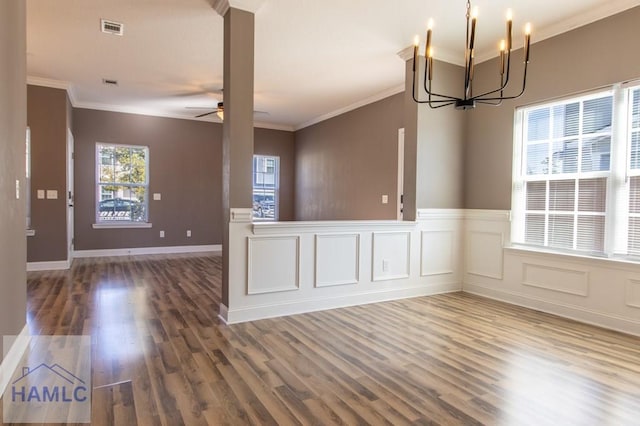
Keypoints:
(400, 173)
(70, 230)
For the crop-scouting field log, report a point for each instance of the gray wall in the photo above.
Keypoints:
(345, 164)
(185, 167)
(48, 117)
(589, 57)
(13, 123)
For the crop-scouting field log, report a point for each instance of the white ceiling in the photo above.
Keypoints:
(313, 58)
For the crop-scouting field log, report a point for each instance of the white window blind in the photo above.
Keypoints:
(566, 151)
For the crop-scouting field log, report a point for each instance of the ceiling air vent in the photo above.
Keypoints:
(109, 82)
(111, 27)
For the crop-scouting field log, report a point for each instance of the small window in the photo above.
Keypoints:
(122, 183)
(265, 187)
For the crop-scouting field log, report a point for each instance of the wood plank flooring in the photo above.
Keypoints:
(162, 356)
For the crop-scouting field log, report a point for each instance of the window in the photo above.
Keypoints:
(265, 187)
(577, 174)
(122, 183)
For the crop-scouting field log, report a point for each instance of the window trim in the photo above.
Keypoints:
(103, 224)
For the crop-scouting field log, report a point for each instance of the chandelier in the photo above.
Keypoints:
(469, 100)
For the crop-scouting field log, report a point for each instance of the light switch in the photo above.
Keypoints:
(40, 194)
(385, 199)
(52, 194)
(157, 196)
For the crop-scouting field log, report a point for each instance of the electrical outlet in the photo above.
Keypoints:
(385, 199)
(188, 232)
(385, 265)
(40, 193)
(161, 234)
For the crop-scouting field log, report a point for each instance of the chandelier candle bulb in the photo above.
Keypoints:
(509, 28)
(502, 50)
(430, 63)
(429, 29)
(527, 41)
(416, 43)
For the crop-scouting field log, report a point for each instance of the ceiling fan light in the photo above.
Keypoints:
(220, 111)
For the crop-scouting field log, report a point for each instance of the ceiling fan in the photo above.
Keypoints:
(219, 111)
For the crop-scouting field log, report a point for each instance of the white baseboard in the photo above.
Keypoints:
(234, 316)
(147, 250)
(48, 266)
(13, 357)
(577, 313)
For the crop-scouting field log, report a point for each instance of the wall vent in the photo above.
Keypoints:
(111, 27)
(109, 82)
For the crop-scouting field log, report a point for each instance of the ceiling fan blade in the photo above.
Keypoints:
(205, 114)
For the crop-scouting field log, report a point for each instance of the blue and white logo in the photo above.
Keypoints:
(31, 386)
(52, 383)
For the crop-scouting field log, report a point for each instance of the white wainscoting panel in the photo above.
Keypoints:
(633, 293)
(269, 273)
(337, 259)
(437, 255)
(562, 279)
(484, 253)
(390, 255)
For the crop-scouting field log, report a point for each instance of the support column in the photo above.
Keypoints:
(237, 127)
(237, 132)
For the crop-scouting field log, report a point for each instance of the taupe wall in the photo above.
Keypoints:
(185, 167)
(47, 117)
(345, 164)
(589, 57)
(281, 144)
(13, 123)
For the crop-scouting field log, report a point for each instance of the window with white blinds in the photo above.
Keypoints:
(576, 174)
(633, 138)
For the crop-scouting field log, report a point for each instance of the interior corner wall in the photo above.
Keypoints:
(589, 57)
(344, 165)
(47, 117)
(13, 123)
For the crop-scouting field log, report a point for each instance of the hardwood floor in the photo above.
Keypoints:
(162, 356)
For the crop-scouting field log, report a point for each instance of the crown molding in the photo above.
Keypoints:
(377, 97)
(222, 6)
(140, 111)
(55, 84)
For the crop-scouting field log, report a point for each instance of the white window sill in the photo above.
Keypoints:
(125, 225)
(31, 232)
(608, 261)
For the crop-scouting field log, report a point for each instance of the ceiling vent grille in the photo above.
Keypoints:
(111, 27)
